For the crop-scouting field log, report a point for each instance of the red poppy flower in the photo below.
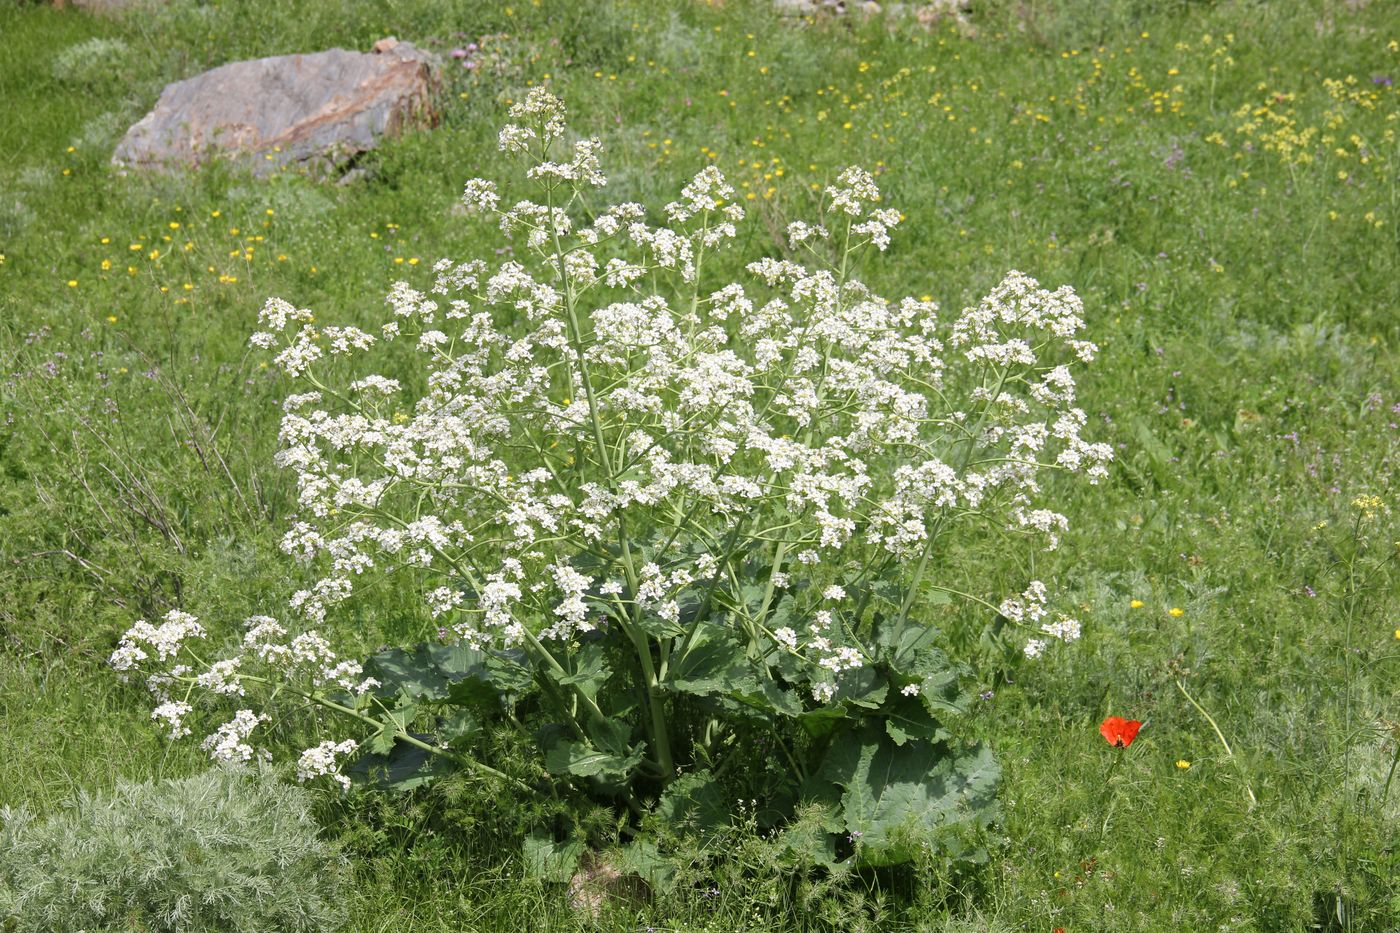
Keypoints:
(1119, 732)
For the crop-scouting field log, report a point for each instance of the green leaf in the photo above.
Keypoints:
(780, 614)
(610, 735)
(909, 719)
(643, 859)
(863, 686)
(382, 742)
(659, 628)
(582, 760)
(407, 672)
(695, 801)
(912, 650)
(510, 672)
(714, 663)
(590, 669)
(1157, 455)
(547, 860)
(718, 665)
(430, 672)
(400, 766)
(809, 840)
(820, 722)
(896, 798)
(760, 693)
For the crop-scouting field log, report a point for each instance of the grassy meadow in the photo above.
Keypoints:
(1219, 181)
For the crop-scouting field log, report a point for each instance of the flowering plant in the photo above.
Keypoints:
(663, 523)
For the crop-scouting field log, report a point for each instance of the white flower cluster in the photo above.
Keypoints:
(1029, 609)
(320, 761)
(229, 741)
(165, 640)
(269, 656)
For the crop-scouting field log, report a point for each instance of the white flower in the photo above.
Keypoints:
(164, 639)
(1065, 629)
(320, 760)
(173, 713)
(222, 678)
(229, 741)
(480, 195)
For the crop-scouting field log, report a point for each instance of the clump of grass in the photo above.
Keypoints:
(224, 850)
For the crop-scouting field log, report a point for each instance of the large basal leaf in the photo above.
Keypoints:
(717, 665)
(643, 859)
(864, 687)
(583, 760)
(908, 719)
(896, 798)
(548, 860)
(713, 664)
(613, 736)
(809, 840)
(434, 673)
(911, 649)
(400, 766)
(695, 802)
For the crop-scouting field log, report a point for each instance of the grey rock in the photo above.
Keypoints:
(317, 111)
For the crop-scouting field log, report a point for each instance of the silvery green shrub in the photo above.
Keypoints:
(94, 61)
(681, 533)
(229, 849)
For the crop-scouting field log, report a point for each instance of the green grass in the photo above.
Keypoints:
(1247, 306)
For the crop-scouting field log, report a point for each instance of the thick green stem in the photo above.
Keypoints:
(655, 704)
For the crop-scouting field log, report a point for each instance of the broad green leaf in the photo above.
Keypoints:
(610, 735)
(510, 672)
(403, 767)
(911, 650)
(694, 800)
(382, 742)
(718, 665)
(408, 672)
(657, 627)
(821, 721)
(780, 613)
(896, 798)
(589, 669)
(863, 686)
(713, 664)
(457, 726)
(577, 758)
(548, 860)
(437, 673)
(643, 859)
(807, 841)
(761, 693)
(909, 719)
